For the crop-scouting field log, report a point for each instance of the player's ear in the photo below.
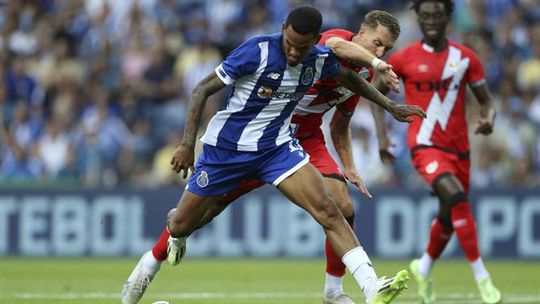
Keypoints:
(283, 28)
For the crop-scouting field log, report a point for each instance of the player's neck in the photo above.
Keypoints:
(436, 45)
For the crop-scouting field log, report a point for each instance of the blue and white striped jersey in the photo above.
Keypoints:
(265, 91)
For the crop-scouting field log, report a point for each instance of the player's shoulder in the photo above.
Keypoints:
(468, 52)
(345, 34)
(412, 48)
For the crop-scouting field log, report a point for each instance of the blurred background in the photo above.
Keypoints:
(94, 93)
(93, 98)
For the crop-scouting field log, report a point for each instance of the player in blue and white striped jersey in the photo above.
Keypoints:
(250, 138)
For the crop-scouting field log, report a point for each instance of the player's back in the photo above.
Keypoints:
(435, 81)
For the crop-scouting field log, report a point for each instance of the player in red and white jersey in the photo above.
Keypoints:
(377, 35)
(435, 73)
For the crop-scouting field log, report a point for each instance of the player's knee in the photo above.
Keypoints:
(170, 214)
(345, 205)
(327, 212)
(181, 227)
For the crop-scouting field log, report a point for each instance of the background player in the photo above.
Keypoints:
(193, 207)
(435, 71)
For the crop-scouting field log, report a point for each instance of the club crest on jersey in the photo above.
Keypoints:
(432, 167)
(307, 78)
(202, 179)
(423, 68)
(265, 92)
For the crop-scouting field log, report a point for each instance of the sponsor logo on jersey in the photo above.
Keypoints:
(432, 167)
(265, 92)
(426, 86)
(202, 179)
(307, 78)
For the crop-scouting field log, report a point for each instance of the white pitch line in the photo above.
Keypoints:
(449, 298)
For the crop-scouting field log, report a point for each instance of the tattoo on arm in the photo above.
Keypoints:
(360, 86)
(204, 89)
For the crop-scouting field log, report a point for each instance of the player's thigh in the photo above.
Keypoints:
(306, 188)
(190, 212)
(340, 193)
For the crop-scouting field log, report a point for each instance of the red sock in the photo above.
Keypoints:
(465, 228)
(334, 265)
(160, 247)
(439, 236)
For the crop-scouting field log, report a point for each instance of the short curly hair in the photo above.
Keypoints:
(448, 5)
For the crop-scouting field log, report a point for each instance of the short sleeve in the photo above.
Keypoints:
(243, 60)
(331, 66)
(475, 73)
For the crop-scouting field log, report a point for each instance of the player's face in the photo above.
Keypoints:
(378, 41)
(297, 46)
(433, 20)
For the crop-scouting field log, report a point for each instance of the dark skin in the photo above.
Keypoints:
(433, 20)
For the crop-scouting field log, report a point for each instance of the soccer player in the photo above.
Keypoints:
(435, 72)
(231, 156)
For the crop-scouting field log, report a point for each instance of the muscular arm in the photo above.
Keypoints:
(204, 89)
(183, 157)
(350, 51)
(380, 126)
(341, 137)
(352, 81)
(487, 110)
(357, 54)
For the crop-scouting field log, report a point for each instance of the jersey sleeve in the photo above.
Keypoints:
(331, 66)
(243, 60)
(475, 73)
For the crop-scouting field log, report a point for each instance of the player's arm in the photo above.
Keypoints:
(341, 138)
(380, 126)
(354, 82)
(184, 155)
(487, 109)
(357, 54)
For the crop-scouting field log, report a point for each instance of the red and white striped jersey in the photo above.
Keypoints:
(325, 94)
(435, 81)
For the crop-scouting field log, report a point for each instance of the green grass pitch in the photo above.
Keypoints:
(238, 281)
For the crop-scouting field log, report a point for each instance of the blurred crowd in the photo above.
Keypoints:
(95, 92)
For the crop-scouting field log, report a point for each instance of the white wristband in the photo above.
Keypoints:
(375, 63)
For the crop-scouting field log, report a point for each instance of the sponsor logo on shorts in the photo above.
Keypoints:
(202, 179)
(307, 78)
(432, 167)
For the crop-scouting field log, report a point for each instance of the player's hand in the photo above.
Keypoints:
(353, 177)
(484, 126)
(403, 112)
(182, 160)
(386, 156)
(389, 78)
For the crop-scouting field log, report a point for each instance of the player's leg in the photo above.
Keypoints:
(306, 188)
(335, 269)
(452, 193)
(150, 262)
